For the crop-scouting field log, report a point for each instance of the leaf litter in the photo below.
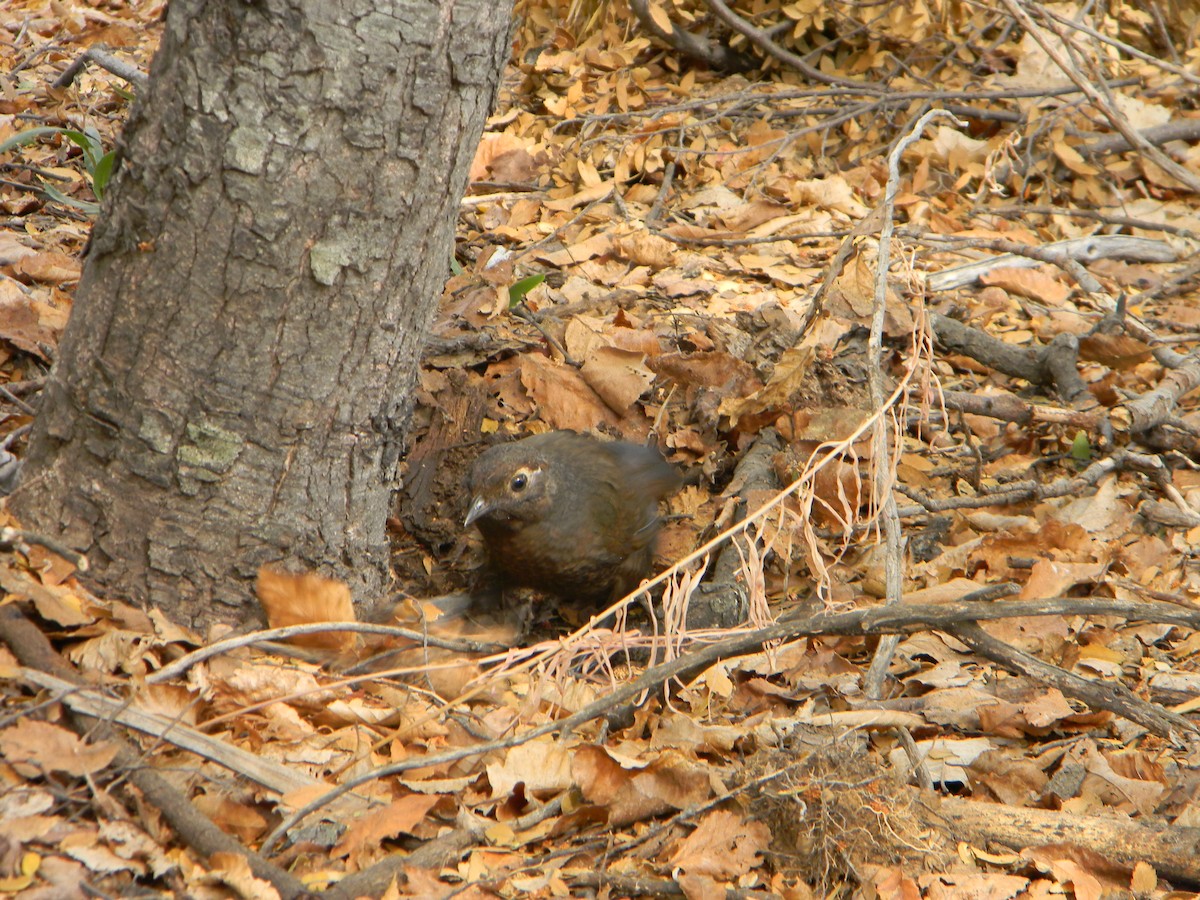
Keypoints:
(684, 241)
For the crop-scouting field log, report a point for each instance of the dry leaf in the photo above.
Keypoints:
(306, 599)
(36, 747)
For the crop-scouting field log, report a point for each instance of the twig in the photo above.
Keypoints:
(1110, 112)
(899, 618)
(1186, 130)
(883, 452)
(1017, 212)
(17, 401)
(32, 648)
(1157, 406)
(1051, 365)
(661, 197)
(15, 537)
(91, 702)
(1033, 490)
(501, 197)
(763, 41)
(107, 61)
(717, 56)
(1011, 408)
(867, 225)
(1110, 695)
(1119, 44)
(181, 665)
(1059, 253)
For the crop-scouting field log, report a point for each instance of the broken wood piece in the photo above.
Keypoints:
(1087, 249)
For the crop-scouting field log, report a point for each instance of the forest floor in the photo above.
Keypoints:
(947, 643)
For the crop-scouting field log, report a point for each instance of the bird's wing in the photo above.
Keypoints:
(644, 470)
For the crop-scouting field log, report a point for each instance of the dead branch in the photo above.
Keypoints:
(1185, 130)
(1089, 89)
(16, 538)
(869, 224)
(883, 455)
(1011, 408)
(1017, 492)
(1168, 514)
(1110, 695)
(879, 620)
(766, 43)
(1017, 212)
(1021, 256)
(1157, 406)
(89, 701)
(105, 60)
(1128, 49)
(715, 56)
(181, 665)
(1053, 365)
(1174, 852)
(442, 851)
(635, 886)
(33, 650)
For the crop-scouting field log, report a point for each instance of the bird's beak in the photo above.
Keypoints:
(479, 507)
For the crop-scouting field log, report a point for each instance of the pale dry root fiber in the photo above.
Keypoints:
(836, 814)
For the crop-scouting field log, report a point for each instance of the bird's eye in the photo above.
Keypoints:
(519, 481)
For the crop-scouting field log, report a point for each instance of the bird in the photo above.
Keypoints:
(568, 514)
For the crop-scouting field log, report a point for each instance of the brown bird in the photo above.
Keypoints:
(569, 514)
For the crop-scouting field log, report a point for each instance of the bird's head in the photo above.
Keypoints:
(506, 485)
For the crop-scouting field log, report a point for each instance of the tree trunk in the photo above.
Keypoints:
(235, 379)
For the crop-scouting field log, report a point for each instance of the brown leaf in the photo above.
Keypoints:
(713, 369)
(786, 379)
(20, 322)
(700, 887)
(543, 765)
(57, 603)
(563, 398)
(231, 815)
(49, 266)
(289, 599)
(620, 377)
(597, 245)
(400, 817)
(1036, 284)
(723, 846)
(233, 870)
(50, 748)
(12, 249)
(633, 791)
(503, 156)
(645, 249)
(1117, 351)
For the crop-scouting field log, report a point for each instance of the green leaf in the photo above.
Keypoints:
(92, 151)
(28, 137)
(1081, 448)
(455, 267)
(98, 163)
(102, 173)
(517, 292)
(86, 206)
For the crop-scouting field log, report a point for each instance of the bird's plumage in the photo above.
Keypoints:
(569, 514)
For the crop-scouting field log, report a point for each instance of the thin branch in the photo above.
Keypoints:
(1110, 112)
(107, 61)
(899, 618)
(883, 451)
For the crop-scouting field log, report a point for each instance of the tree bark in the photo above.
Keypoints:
(235, 379)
